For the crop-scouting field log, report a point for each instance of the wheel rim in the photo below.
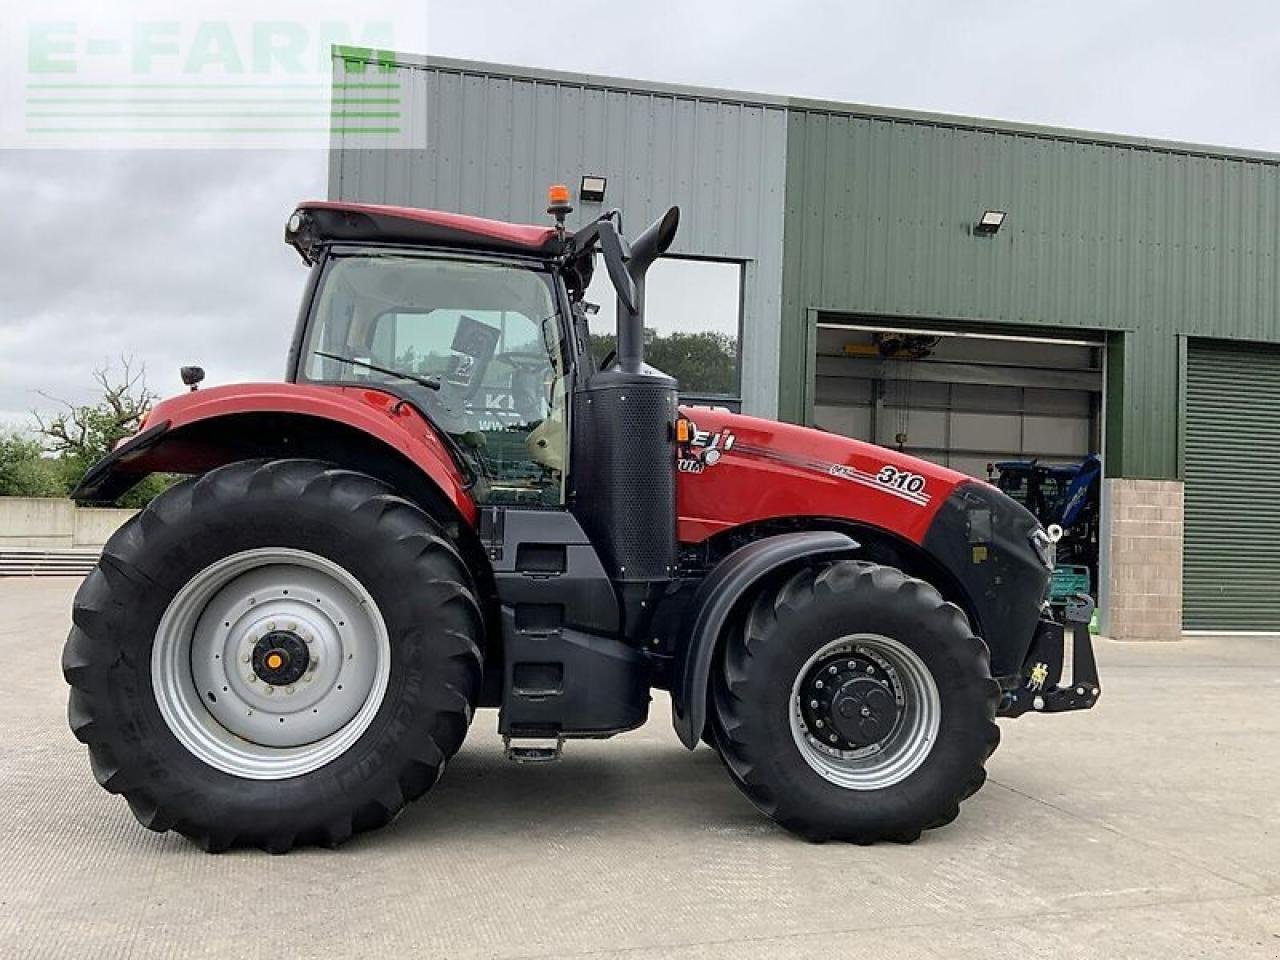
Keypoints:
(865, 712)
(270, 663)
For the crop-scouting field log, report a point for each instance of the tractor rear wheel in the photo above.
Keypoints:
(275, 653)
(855, 704)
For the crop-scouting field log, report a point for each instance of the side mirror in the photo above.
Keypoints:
(191, 376)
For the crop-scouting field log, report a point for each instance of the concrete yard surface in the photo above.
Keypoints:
(1148, 827)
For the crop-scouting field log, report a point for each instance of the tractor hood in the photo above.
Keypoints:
(735, 469)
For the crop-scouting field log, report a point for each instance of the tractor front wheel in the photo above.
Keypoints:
(855, 704)
(275, 653)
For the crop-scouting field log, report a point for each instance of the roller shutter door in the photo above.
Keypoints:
(1231, 553)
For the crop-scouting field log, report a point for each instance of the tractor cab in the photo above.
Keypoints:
(476, 322)
(476, 342)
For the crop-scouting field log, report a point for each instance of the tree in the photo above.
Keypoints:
(704, 363)
(88, 432)
(25, 471)
(81, 435)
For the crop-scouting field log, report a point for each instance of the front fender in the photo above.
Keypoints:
(730, 581)
(197, 431)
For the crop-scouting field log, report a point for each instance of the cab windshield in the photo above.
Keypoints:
(475, 343)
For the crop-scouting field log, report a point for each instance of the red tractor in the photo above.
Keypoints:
(450, 504)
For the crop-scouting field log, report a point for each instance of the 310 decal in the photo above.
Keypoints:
(889, 479)
(900, 479)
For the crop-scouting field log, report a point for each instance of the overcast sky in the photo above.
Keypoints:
(176, 257)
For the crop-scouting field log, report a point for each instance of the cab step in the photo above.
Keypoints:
(533, 749)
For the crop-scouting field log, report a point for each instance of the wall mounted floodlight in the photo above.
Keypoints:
(592, 189)
(989, 223)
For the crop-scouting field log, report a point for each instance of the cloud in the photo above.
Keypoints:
(170, 256)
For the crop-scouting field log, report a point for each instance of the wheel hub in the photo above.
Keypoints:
(270, 662)
(280, 658)
(865, 711)
(849, 701)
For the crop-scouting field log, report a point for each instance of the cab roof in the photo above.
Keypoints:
(316, 223)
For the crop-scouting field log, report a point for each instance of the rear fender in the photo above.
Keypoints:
(355, 427)
(714, 603)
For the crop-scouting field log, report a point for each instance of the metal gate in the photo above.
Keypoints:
(1231, 553)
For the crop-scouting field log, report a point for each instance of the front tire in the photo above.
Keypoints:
(275, 653)
(855, 704)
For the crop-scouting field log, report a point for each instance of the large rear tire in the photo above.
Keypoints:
(275, 653)
(855, 704)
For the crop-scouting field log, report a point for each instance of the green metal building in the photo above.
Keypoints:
(1128, 304)
(1145, 244)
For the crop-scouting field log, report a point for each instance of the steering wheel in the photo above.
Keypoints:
(524, 361)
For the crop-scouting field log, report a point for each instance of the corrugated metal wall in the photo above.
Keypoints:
(1121, 237)
(494, 140)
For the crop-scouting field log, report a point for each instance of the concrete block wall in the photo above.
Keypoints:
(1144, 575)
(95, 525)
(52, 523)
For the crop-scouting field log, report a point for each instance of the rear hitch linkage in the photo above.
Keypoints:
(1040, 688)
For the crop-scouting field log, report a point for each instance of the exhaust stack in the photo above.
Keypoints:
(645, 249)
(624, 486)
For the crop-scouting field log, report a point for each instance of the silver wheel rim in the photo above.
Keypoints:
(208, 668)
(909, 743)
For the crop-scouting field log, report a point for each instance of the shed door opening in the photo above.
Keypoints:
(1024, 412)
(964, 401)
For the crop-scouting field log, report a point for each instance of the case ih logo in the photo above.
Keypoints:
(703, 449)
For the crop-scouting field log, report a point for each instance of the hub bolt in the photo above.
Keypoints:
(818, 724)
(831, 669)
(813, 704)
(818, 684)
